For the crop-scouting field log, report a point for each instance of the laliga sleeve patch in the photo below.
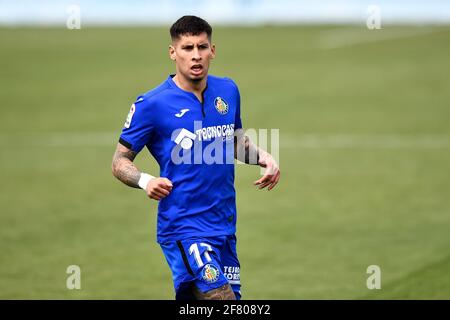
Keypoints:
(130, 116)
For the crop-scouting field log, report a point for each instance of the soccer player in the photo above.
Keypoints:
(188, 124)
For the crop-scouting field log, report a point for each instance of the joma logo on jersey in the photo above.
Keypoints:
(181, 113)
(186, 138)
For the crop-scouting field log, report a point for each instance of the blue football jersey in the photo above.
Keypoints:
(193, 143)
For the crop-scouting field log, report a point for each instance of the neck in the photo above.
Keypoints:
(196, 87)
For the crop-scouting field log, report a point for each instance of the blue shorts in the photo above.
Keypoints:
(207, 263)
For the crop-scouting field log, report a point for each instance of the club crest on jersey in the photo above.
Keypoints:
(130, 116)
(221, 105)
(210, 273)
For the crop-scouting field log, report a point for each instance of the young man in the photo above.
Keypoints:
(188, 124)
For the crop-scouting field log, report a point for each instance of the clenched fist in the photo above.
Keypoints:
(158, 188)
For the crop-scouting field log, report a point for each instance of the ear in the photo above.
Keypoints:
(213, 51)
(172, 53)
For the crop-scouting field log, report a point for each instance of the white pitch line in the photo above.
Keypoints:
(348, 37)
(60, 139)
(383, 141)
(288, 140)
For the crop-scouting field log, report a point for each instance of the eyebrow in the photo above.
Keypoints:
(191, 44)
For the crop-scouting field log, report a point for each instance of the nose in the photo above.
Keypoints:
(196, 54)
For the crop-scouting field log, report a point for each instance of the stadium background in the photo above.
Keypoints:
(364, 132)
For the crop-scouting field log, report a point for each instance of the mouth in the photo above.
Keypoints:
(197, 68)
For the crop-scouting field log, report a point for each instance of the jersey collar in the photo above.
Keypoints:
(191, 94)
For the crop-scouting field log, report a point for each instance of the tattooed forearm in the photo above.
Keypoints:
(123, 167)
(223, 293)
(244, 150)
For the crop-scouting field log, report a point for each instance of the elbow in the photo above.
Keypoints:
(114, 168)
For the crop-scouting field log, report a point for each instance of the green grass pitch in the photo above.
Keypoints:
(365, 158)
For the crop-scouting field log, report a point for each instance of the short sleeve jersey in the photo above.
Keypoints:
(192, 142)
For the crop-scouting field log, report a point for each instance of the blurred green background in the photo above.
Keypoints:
(365, 160)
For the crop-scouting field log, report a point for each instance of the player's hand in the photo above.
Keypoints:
(271, 175)
(159, 188)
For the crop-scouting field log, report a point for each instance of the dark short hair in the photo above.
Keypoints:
(190, 25)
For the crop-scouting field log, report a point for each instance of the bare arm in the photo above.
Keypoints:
(246, 151)
(126, 171)
(123, 167)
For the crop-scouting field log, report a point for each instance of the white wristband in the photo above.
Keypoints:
(144, 180)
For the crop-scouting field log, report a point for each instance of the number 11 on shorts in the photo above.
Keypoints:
(193, 249)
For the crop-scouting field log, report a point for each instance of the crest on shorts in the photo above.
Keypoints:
(210, 273)
(221, 105)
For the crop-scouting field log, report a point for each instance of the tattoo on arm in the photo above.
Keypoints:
(223, 293)
(123, 167)
(244, 150)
